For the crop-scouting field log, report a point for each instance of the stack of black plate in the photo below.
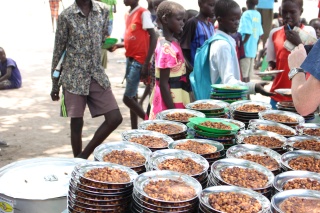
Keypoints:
(289, 106)
(226, 137)
(158, 158)
(175, 192)
(87, 194)
(124, 153)
(229, 93)
(211, 108)
(244, 111)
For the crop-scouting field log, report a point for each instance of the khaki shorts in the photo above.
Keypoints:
(246, 65)
(99, 101)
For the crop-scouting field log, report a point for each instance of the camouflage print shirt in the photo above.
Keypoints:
(82, 37)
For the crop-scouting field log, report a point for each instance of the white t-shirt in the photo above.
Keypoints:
(224, 64)
(145, 17)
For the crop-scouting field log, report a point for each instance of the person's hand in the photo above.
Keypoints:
(113, 48)
(55, 96)
(259, 88)
(271, 65)
(297, 56)
(293, 37)
(144, 72)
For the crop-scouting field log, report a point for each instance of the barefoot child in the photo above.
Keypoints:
(216, 61)
(139, 41)
(171, 89)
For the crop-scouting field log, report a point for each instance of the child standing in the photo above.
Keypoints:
(277, 54)
(216, 61)
(171, 89)
(197, 30)
(251, 29)
(139, 41)
(315, 23)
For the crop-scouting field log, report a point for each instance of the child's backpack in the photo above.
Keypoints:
(200, 78)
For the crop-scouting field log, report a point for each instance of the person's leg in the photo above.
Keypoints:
(112, 120)
(101, 102)
(110, 27)
(73, 106)
(76, 125)
(145, 94)
(133, 79)
(6, 84)
(244, 64)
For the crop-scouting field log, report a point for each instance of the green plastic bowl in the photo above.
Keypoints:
(109, 42)
(198, 121)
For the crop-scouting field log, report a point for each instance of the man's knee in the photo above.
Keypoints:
(114, 117)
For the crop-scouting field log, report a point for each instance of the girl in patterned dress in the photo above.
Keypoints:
(171, 88)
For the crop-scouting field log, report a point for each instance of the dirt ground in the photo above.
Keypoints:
(29, 120)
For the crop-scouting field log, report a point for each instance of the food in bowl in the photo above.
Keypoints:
(264, 160)
(312, 131)
(186, 166)
(302, 183)
(276, 129)
(109, 175)
(244, 177)
(150, 141)
(306, 163)
(205, 106)
(169, 190)
(196, 147)
(168, 129)
(215, 125)
(231, 202)
(312, 145)
(125, 158)
(300, 205)
(251, 108)
(266, 141)
(179, 116)
(280, 118)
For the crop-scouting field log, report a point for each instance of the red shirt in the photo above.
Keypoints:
(136, 39)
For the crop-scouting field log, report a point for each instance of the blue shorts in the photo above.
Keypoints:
(133, 71)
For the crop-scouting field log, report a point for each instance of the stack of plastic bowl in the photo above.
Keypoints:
(153, 140)
(215, 178)
(206, 205)
(197, 130)
(175, 130)
(90, 193)
(122, 148)
(172, 192)
(229, 93)
(211, 108)
(160, 157)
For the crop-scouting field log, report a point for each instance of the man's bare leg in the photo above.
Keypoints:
(76, 125)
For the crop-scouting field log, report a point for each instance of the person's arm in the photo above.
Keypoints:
(148, 26)
(246, 38)
(60, 44)
(305, 93)
(271, 54)
(165, 89)
(115, 8)
(7, 75)
(224, 60)
(185, 42)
